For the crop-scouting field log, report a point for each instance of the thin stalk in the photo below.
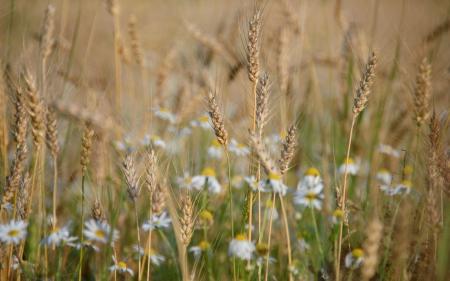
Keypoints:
(117, 62)
(266, 275)
(250, 201)
(138, 238)
(343, 199)
(316, 232)
(389, 241)
(149, 247)
(230, 195)
(82, 224)
(55, 187)
(288, 237)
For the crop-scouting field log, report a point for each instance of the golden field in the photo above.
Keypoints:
(224, 140)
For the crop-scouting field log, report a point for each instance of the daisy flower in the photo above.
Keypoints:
(184, 182)
(215, 150)
(13, 232)
(274, 184)
(121, 267)
(238, 149)
(207, 179)
(384, 177)
(262, 250)
(85, 244)
(237, 182)
(124, 145)
(157, 222)
(153, 140)
(388, 189)
(241, 248)
(311, 180)
(408, 170)
(337, 216)
(403, 188)
(352, 167)
(354, 259)
(166, 115)
(99, 231)
(309, 197)
(184, 132)
(253, 183)
(155, 258)
(388, 150)
(199, 249)
(202, 122)
(269, 209)
(59, 236)
(206, 218)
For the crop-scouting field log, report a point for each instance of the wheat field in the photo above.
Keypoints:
(225, 140)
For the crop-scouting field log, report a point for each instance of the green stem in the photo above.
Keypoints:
(316, 231)
(82, 225)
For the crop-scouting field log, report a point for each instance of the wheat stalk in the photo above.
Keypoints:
(359, 104)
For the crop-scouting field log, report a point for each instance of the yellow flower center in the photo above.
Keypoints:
(262, 249)
(13, 233)
(408, 170)
(208, 172)
(349, 161)
(155, 138)
(206, 215)
(357, 253)
(122, 265)
(338, 213)
(269, 203)
(100, 233)
(312, 172)
(204, 245)
(407, 183)
(163, 109)
(203, 118)
(311, 195)
(383, 171)
(240, 237)
(55, 230)
(187, 180)
(274, 176)
(215, 143)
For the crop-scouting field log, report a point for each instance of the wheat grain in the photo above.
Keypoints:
(363, 90)
(217, 120)
(131, 178)
(288, 149)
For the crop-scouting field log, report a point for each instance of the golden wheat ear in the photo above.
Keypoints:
(363, 90)
(217, 120)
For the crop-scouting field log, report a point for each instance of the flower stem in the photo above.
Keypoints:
(344, 199)
(316, 231)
